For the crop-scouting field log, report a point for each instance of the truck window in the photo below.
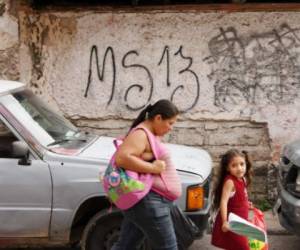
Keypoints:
(6, 140)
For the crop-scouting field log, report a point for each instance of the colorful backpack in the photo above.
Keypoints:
(123, 187)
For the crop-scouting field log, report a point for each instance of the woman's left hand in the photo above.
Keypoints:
(158, 166)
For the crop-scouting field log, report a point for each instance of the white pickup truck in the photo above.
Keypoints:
(50, 193)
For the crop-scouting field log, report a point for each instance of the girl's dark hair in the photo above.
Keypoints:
(163, 107)
(225, 160)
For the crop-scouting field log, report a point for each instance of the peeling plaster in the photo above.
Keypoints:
(8, 29)
(2, 8)
(209, 64)
(9, 63)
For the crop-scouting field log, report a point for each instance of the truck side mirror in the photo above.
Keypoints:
(21, 150)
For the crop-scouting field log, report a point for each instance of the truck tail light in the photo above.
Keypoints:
(195, 198)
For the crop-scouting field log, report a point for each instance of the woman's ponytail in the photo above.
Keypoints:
(163, 107)
(143, 115)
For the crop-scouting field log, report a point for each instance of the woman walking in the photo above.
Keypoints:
(150, 217)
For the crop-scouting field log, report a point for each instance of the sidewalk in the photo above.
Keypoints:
(273, 225)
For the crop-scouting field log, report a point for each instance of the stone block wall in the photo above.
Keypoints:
(216, 137)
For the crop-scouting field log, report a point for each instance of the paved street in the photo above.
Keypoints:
(279, 238)
(277, 242)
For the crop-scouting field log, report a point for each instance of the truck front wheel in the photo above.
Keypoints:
(103, 231)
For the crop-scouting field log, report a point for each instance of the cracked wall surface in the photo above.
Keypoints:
(9, 43)
(216, 137)
(212, 65)
(237, 85)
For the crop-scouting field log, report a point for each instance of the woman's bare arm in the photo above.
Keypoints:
(128, 155)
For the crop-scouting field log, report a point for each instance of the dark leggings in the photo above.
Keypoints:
(149, 218)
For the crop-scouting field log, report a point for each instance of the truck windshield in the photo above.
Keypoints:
(59, 128)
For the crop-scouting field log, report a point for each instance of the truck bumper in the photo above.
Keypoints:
(200, 218)
(288, 209)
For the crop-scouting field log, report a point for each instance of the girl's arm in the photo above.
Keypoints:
(129, 154)
(227, 189)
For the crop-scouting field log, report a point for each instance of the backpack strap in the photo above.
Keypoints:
(153, 143)
(118, 141)
(151, 138)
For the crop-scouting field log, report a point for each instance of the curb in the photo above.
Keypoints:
(273, 224)
(278, 232)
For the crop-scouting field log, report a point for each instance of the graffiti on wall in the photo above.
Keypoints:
(259, 69)
(99, 69)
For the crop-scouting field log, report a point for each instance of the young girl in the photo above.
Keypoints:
(231, 196)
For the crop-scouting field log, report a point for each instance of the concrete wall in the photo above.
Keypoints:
(234, 75)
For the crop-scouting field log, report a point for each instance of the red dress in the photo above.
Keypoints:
(239, 205)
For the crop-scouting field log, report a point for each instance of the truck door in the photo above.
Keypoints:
(25, 192)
